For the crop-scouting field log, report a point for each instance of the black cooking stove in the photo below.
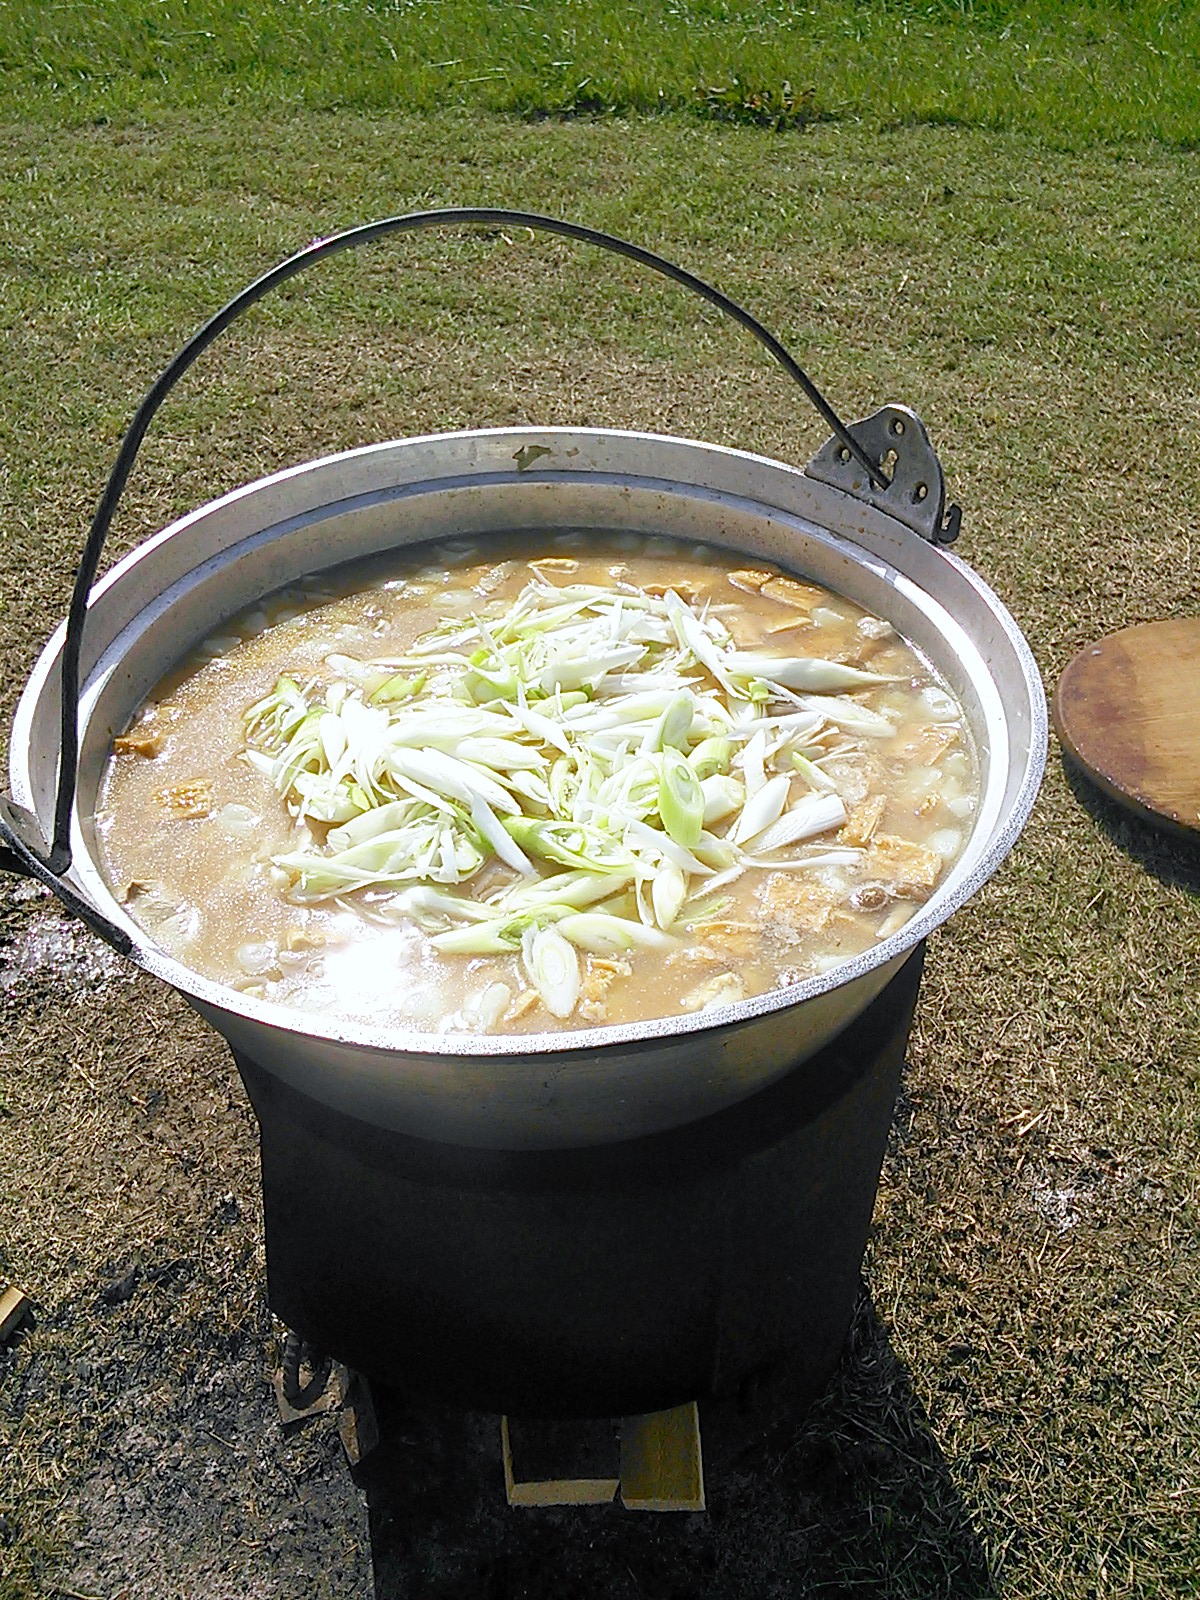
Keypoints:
(606, 1281)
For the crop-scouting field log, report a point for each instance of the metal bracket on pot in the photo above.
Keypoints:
(20, 839)
(23, 851)
(915, 489)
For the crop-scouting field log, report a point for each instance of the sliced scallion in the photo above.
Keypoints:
(680, 798)
(609, 748)
(552, 965)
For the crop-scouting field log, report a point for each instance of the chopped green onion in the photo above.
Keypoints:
(710, 757)
(850, 715)
(396, 688)
(800, 672)
(572, 843)
(812, 774)
(675, 724)
(762, 808)
(502, 842)
(371, 823)
(552, 965)
(667, 894)
(431, 907)
(478, 939)
(566, 890)
(586, 740)
(723, 796)
(815, 813)
(449, 777)
(601, 934)
(754, 758)
(707, 910)
(680, 799)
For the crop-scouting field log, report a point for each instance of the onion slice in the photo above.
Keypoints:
(609, 748)
(552, 965)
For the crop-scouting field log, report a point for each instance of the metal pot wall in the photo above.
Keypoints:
(843, 522)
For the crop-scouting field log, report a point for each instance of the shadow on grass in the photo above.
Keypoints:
(1169, 853)
(853, 1500)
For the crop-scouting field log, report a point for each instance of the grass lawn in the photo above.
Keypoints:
(1019, 1415)
(1073, 74)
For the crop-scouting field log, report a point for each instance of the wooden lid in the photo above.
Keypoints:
(1126, 710)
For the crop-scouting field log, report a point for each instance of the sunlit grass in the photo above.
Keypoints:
(1074, 75)
(1038, 309)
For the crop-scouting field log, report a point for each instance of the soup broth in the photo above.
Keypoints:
(612, 780)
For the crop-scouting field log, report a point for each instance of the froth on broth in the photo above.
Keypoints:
(520, 785)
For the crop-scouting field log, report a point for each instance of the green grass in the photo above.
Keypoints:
(1074, 75)
(1034, 1264)
(985, 211)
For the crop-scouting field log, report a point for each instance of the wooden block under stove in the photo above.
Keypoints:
(559, 1463)
(661, 1465)
(1125, 710)
(657, 1466)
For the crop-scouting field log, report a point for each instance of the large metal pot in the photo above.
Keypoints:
(845, 522)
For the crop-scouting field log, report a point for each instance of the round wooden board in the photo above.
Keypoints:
(1126, 711)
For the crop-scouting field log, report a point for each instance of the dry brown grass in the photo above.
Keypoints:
(1019, 1413)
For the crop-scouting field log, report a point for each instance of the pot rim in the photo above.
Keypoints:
(957, 888)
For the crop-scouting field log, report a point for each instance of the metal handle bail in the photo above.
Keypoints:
(21, 841)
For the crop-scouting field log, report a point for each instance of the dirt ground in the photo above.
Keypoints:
(1017, 1413)
(153, 1383)
(154, 1457)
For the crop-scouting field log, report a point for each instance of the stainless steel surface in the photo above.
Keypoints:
(915, 493)
(559, 1089)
